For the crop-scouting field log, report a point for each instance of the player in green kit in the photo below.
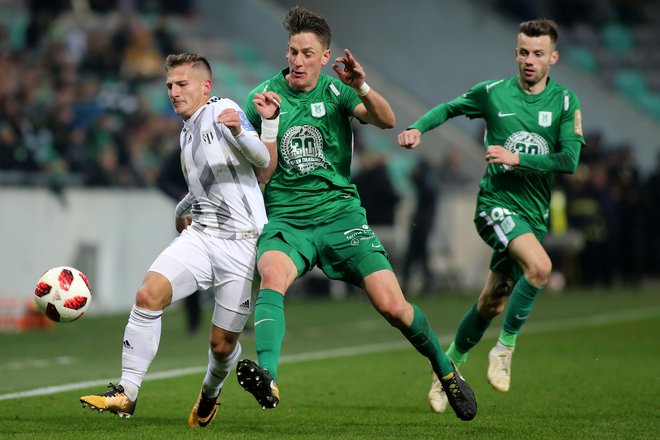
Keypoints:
(533, 131)
(315, 214)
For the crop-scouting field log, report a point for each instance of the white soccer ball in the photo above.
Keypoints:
(63, 294)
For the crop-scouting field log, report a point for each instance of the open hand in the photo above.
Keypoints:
(352, 74)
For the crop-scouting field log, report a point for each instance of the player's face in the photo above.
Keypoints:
(188, 89)
(535, 55)
(306, 57)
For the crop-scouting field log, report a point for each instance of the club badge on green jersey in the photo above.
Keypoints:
(318, 109)
(545, 119)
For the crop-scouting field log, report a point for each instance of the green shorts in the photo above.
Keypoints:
(497, 226)
(344, 249)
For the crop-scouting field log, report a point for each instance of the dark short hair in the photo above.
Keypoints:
(187, 58)
(300, 19)
(540, 27)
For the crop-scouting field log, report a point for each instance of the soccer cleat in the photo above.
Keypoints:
(113, 400)
(258, 382)
(437, 396)
(203, 411)
(499, 368)
(459, 395)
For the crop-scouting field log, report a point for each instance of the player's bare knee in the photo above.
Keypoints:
(539, 274)
(394, 312)
(272, 277)
(149, 298)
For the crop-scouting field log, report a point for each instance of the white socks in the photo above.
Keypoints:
(218, 370)
(141, 339)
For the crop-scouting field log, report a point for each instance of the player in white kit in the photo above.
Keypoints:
(219, 219)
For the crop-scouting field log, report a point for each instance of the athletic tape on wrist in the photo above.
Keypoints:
(364, 89)
(269, 129)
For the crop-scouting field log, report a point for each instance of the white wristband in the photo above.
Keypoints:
(363, 90)
(269, 129)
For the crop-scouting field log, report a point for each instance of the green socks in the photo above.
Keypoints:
(520, 306)
(269, 329)
(426, 342)
(470, 331)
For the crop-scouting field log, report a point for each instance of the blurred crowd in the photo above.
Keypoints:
(83, 102)
(615, 211)
(82, 98)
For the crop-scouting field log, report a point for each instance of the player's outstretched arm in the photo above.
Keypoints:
(374, 109)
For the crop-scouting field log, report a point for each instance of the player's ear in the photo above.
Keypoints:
(326, 57)
(554, 57)
(207, 86)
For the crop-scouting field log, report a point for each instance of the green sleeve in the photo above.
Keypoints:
(565, 161)
(468, 104)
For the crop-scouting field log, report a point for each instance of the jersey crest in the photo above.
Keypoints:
(208, 136)
(318, 109)
(545, 119)
(301, 148)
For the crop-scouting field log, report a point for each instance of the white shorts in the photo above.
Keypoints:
(195, 261)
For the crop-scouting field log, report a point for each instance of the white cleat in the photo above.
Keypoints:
(499, 367)
(437, 396)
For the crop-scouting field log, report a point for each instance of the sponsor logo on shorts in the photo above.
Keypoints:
(354, 235)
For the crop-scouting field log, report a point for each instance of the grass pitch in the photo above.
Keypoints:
(586, 366)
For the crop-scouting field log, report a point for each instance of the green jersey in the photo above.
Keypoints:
(315, 147)
(531, 125)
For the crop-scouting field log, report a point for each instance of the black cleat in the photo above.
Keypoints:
(460, 395)
(258, 382)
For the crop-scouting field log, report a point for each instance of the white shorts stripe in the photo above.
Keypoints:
(497, 228)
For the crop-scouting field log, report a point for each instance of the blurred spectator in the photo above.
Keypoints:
(628, 236)
(590, 210)
(651, 209)
(429, 181)
(376, 191)
(426, 180)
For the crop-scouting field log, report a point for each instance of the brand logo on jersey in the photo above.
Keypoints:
(526, 143)
(491, 85)
(208, 136)
(504, 115)
(302, 149)
(356, 234)
(545, 119)
(318, 109)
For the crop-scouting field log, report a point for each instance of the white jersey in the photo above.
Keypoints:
(224, 194)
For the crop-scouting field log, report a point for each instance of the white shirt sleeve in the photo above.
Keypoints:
(254, 150)
(184, 207)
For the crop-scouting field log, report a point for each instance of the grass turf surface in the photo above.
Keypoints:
(586, 366)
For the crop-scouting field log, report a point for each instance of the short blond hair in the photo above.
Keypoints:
(187, 58)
